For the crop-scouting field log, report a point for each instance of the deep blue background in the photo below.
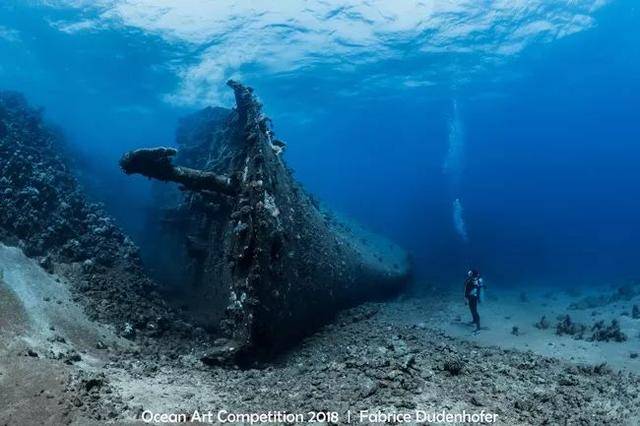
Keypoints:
(551, 181)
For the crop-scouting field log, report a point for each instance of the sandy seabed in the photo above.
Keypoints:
(403, 358)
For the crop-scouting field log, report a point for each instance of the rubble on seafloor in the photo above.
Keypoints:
(375, 363)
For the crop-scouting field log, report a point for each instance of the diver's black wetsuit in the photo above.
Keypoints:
(471, 292)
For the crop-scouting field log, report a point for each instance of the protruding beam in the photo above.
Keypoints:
(156, 163)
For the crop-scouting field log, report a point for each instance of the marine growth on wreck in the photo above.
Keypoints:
(269, 263)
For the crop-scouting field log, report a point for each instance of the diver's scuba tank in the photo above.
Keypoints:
(480, 290)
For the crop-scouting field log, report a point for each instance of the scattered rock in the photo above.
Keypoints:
(454, 366)
(568, 380)
(610, 333)
(543, 324)
(369, 388)
(224, 354)
(524, 405)
(475, 401)
(71, 356)
(58, 339)
(93, 383)
(569, 327)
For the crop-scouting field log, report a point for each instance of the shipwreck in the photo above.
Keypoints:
(262, 260)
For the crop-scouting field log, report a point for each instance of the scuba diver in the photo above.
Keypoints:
(472, 290)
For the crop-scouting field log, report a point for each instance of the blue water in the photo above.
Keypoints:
(503, 135)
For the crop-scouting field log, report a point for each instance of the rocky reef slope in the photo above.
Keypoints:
(44, 212)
